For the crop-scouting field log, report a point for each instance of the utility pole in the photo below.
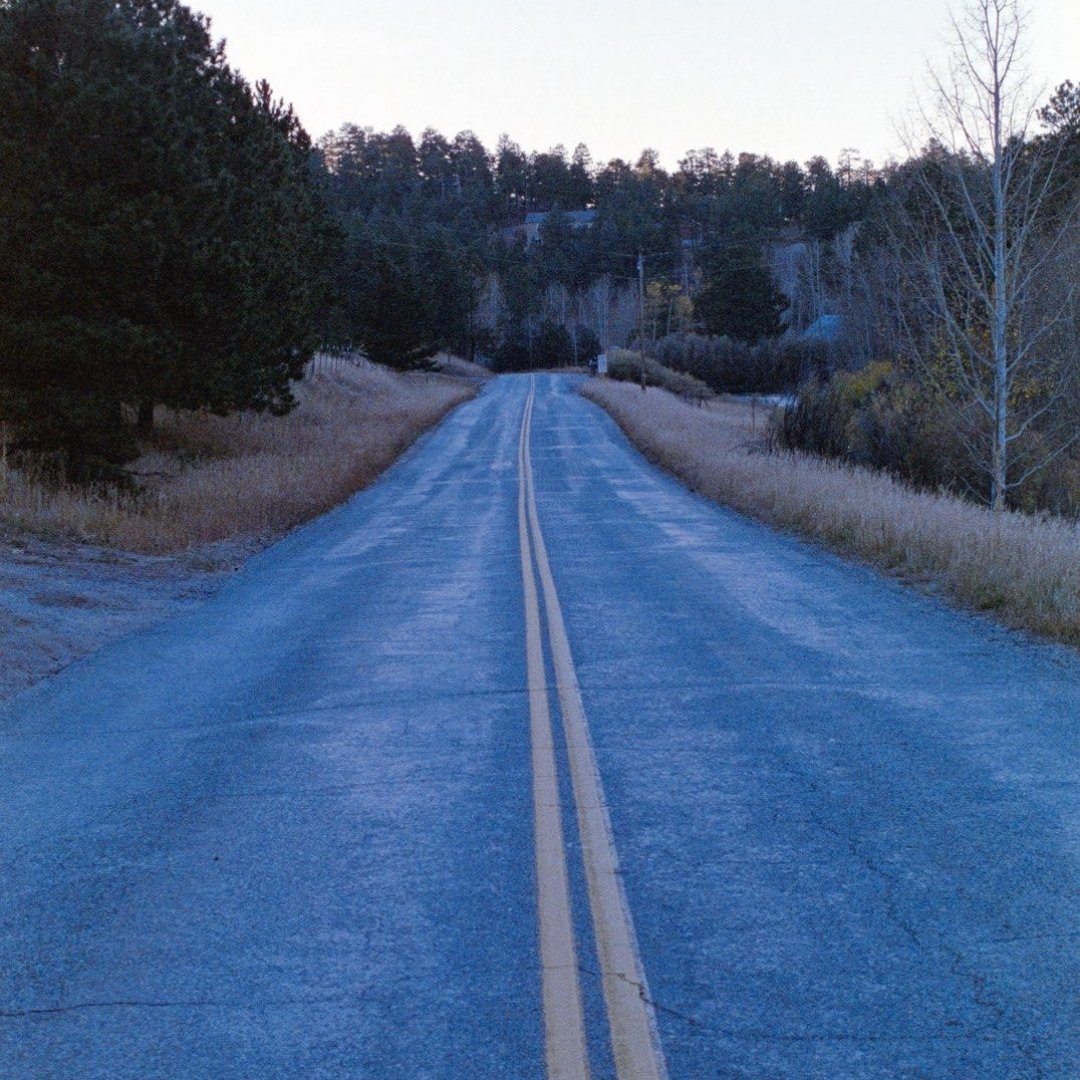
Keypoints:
(641, 315)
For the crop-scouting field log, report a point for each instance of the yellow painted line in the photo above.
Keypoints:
(566, 1051)
(631, 1020)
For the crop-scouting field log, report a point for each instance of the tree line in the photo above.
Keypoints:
(438, 242)
(170, 235)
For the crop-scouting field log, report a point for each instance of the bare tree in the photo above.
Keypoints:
(980, 235)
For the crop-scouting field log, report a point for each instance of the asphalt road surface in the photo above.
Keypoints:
(529, 763)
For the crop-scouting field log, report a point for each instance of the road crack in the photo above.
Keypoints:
(197, 1003)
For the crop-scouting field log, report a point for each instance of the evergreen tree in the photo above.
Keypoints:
(386, 296)
(161, 237)
(740, 300)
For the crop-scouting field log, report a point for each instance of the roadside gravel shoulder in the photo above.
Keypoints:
(60, 600)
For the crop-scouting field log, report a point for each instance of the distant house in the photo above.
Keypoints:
(576, 219)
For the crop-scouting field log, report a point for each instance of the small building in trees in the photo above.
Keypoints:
(575, 219)
(824, 330)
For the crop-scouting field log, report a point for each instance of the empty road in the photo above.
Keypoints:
(528, 763)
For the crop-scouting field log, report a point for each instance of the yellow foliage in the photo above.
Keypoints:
(856, 387)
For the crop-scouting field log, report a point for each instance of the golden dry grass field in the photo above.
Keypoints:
(204, 478)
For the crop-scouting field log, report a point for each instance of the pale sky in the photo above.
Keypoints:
(786, 78)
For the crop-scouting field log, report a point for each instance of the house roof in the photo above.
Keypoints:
(826, 328)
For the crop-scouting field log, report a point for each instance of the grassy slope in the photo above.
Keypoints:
(1025, 570)
(206, 478)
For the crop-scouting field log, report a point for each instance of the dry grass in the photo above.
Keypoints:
(205, 478)
(1023, 569)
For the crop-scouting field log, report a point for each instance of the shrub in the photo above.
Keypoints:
(817, 423)
(879, 416)
(772, 366)
(626, 366)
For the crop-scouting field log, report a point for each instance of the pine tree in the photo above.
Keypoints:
(161, 235)
(740, 300)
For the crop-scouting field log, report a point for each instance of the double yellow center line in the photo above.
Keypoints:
(632, 1024)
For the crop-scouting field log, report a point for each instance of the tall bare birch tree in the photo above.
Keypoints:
(980, 235)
